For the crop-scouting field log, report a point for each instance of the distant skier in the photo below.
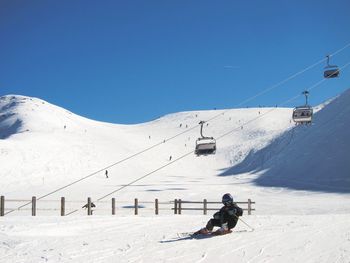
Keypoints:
(92, 206)
(106, 173)
(226, 218)
(170, 157)
(86, 205)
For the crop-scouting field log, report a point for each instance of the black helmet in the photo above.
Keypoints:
(227, 199)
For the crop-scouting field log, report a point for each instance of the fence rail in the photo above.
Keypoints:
(176, 206)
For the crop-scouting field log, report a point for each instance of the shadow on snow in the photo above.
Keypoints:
(307, 157)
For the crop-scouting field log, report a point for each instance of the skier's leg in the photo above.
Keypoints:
(232, 223)
(209, 227)
(211, 223)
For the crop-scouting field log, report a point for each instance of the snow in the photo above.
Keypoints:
(321, 238)
(298, 177)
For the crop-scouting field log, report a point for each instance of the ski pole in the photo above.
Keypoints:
(252, 228)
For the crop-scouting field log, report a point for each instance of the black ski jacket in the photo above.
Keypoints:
(229, 215)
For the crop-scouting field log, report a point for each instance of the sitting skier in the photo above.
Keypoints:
(226, 218)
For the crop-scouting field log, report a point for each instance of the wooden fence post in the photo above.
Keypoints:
(249, 207)
(33, 206)
(179, 206)
(2, 205)
(113, 206)
(63, 206)
(89, 207)
(156, 206)
(205, 207)
(136, 206)
(175, 206)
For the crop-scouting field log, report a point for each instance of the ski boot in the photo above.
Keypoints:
(202, 231)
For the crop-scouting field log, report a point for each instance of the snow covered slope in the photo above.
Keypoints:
(55, 147)
(261, 155)
(276, 239)
(312, 157)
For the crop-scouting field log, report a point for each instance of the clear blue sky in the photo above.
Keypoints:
(133, 61)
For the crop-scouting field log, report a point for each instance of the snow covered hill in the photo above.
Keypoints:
(298, 177)
(312, 157)
(56, 147)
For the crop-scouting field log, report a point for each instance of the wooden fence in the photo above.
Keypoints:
(177, 206)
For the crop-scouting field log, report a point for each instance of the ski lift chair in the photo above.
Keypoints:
(331, 71)
(303, 114)
(205, 146)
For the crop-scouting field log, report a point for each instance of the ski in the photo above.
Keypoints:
(210, 234)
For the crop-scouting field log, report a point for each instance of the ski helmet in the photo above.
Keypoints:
(227, 199)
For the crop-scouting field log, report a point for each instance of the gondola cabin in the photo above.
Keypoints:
(302, 115)
(205, 146)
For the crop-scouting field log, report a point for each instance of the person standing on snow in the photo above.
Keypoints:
(226, 218)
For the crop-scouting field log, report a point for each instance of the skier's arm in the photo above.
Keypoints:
(239, 211)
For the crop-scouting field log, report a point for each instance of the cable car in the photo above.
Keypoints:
(331, 71)
(205, 145)
(303, 114)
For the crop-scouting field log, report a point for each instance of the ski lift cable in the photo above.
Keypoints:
(341, 68)
(317, 84)
(138, 179)
(291, 77)
(94, 173)
(194, 127)
(218, 138)
(340, 50)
